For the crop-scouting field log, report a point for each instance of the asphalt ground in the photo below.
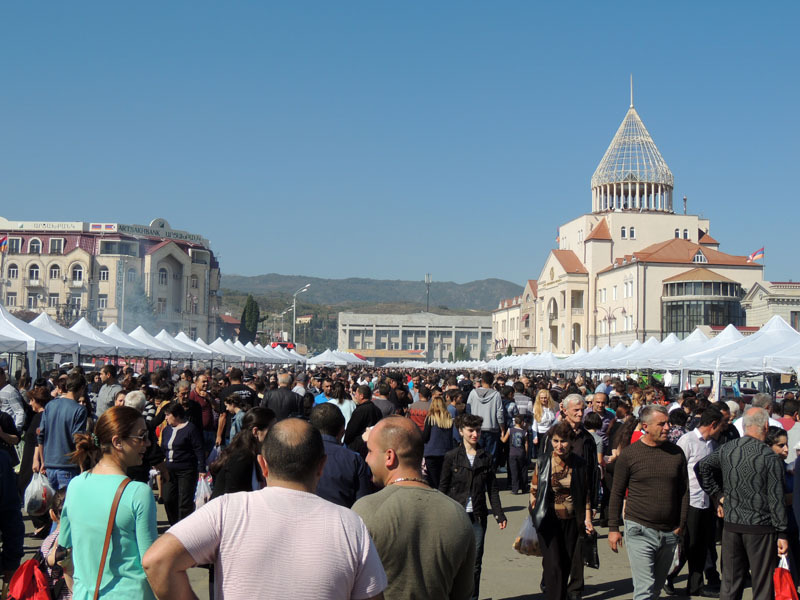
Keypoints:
(507, 575)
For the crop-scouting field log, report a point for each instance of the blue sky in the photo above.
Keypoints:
(388, 140)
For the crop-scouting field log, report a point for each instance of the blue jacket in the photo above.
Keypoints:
(61, 420)
(345, 477)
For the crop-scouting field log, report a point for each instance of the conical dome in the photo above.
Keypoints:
(632, 174)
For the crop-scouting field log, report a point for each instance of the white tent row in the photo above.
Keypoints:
(336, 358)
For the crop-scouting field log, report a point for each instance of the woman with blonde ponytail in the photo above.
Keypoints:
(118, 442)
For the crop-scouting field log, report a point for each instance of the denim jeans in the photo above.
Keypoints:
(650, 553)
(60, 478)
(479, 529)
(490, 441)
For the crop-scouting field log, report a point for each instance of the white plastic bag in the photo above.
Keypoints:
(676, 558)
(203, 492)
(38, 495)
(527, 541)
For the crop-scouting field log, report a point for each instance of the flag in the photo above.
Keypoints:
(757, 255)
(4, 244)
(96, 227)
(108, 226)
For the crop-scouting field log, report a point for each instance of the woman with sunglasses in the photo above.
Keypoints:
(119, 441)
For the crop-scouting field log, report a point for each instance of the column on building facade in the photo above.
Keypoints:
(637, 205)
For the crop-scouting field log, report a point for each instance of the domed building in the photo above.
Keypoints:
(633, 267)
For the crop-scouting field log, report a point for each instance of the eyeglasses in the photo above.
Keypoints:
(140, 438)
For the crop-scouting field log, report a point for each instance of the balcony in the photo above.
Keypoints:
(577, 312)
(35, 283)
(76, 283)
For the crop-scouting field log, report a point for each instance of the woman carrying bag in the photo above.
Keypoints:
(107, 515)
(560, 509)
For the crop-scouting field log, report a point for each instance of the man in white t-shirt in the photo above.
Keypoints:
(262, 543)
(760, 400)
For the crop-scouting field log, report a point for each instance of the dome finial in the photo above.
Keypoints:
(631, 90)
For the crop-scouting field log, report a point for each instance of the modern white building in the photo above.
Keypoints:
(112, 273)
(633, 267)
(424, 336)
(769, 298)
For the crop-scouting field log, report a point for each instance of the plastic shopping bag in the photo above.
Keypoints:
(38, 495)
(782, 578)
(203, 492)
(676, 558)
(527, 541)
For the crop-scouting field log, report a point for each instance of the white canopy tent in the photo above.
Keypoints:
(266, 357)
(706, 357)
(250, 355)
(669, 356)
(86, 346)
(189, 351)
(85, 329)
(115, 333)
(141, 335)
(216, 353)
(748, 355)
(270, 352)
(233, 354)
(328, 358)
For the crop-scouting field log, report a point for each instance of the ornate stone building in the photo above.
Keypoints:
(112, 273)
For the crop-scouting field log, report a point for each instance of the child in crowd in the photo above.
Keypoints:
(60, 582)
(517, 438)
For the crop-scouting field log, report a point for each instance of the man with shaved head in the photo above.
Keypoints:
(424, 538)
(247, 535)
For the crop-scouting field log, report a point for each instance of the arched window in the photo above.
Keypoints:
(33, 272)
(677, 233)
(622, 233)
(77, 273)
(131, 275)
(55, 272)
(163, 276)
(34, 246)
(193, 282)
(632, 233)
(103, 274)
(686, 234)
(13, 271)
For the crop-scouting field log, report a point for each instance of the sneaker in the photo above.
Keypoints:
(669, 589)
(707, 592)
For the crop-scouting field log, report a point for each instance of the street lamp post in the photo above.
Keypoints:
(609, 317)
(294, 311)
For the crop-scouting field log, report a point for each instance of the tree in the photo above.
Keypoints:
(509, 350)
(139, 309)
(449, 357)
(249, 324)
(461, 352)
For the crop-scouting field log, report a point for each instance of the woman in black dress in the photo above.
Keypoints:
(38, 398)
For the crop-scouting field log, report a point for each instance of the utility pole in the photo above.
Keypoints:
(294, 311)
(428, 281)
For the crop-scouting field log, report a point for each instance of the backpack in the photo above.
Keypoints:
(29, 582)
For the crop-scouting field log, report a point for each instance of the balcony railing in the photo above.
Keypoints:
(35, 282)
(76, 283)
(576, 312)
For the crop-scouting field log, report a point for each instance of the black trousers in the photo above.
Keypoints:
(433, 465)
(559, 542)
(179, 494)
(757, 549)
(518, 472)
(698, 537)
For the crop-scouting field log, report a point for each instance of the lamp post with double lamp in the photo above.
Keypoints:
(286, 310)
(609, 316)
(294, 311)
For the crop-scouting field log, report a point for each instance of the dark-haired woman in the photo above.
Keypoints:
(236, 469)
(38, 398)
(119, 441)
(560, 508)
(342, 402)
(182, 444)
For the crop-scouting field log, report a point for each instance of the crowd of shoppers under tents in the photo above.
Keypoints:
(589, 446)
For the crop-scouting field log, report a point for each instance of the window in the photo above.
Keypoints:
(14, 245)
(75, 301)
(56, 245)
(34, 246)
(33, 273)
(103, 273)
(31, 300)
(55, 272)
(131, 275)
(614, 293)
(163, 276)
(161, 306)
(13, 271)
(794, 319)
(193, 333)
(77, 273)
(52, 300)
(613, 326)
(102, 301)
(686, 234)
(11, 299)
(193, 282)
(677, 233)
(699, 257)
(632, 233)
(622, 233)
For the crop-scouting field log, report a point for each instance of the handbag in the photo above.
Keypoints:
(109, 529)
(590, 556)
(782, 578)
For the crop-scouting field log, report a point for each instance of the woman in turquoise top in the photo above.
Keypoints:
(119, 441)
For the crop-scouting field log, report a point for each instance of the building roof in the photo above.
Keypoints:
(509, 302)
(570, 261)
(707, 239)
(599, 232)
(632, 156)
(699, 274)
(534, 287)
(230, 320)
(680, 251)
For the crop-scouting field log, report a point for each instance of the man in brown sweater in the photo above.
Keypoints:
(654, 473)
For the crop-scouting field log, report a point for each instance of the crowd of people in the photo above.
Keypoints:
(387, 478)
